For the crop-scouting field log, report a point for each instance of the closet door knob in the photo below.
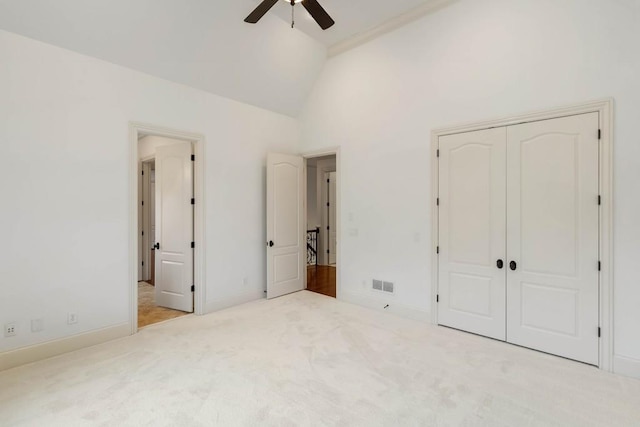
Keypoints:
(500, 264)
(513, 265)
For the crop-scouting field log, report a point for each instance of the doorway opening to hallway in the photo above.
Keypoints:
(322, 229)
(167, 229)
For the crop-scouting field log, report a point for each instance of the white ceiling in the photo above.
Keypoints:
(353, 17)
(204, 43)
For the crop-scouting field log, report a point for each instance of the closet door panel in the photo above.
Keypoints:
(472, 232)
(552, 236)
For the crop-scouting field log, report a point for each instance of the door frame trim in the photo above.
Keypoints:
(605, 108)
(199, 268)
(329, 151)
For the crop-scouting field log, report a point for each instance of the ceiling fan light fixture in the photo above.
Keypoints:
(316, 11)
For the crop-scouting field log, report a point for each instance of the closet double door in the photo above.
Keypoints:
(519, 234)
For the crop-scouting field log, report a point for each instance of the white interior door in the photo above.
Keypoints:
(552, 233)
(332, 227)
(286, 230)
(471, 281)
(174, 227)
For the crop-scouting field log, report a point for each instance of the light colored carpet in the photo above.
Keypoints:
(148, 312)
(306, 359)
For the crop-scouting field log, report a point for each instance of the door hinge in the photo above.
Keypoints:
(193, 245)
(193, 288)
(437, 153)
(193, 157)
(327, 250)
(599, 134)
(599, 265)
(438, 201)
(143, 263)
(437, 249)
(193, 201)
(599, 200)
(328, 228)
(142, 172)
(143, 203)
(328, 181)
(438, 298)
(143, 232)
(599, 332)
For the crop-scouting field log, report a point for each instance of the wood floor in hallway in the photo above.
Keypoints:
(148, 312)
(322, 279)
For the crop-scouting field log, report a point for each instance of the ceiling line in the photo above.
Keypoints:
(387, 26)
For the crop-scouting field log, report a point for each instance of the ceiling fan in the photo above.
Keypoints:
(313, 7)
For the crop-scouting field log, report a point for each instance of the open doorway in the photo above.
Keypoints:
(166, 218)
(322, 230)
(166, 224)
(299, 248)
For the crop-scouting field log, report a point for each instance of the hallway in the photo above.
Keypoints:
(322, 279)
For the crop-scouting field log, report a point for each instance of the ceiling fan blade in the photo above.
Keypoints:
(260, 11)
(318, 13)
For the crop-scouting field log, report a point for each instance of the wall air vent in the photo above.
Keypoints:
(387, 287)
(380, 285)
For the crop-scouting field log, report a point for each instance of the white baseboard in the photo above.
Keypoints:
(627, 366)
(221, 304)
(22, 356)
(401, 310)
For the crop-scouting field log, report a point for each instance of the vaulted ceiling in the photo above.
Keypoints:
(205, 44)
(356, 20)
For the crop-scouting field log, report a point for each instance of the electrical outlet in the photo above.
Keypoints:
(10, 330)
(72, 318)
(37, 325)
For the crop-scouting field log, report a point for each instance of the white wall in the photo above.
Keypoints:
(472, 61)
(64, 186)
